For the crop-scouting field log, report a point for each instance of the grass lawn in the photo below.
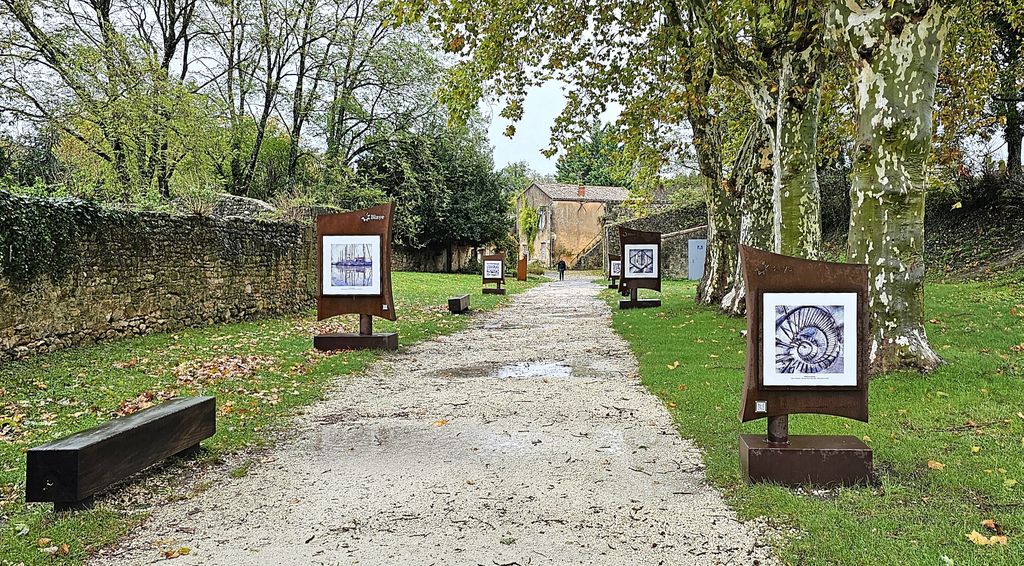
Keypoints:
(262, 373)
(967, 418)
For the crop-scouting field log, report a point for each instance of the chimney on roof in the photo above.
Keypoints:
(582, 191)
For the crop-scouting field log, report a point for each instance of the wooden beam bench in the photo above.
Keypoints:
(458, 305)
(70, 471)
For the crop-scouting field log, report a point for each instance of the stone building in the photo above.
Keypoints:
(571, 219)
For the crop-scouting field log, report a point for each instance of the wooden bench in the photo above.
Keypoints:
(458, 305)
(70, 471)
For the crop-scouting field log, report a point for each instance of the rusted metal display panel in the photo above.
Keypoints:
(522, 269)
(354, 262)
(640, 254)
(614, 270)
(783, 278)
(494, 272)
(807, 331)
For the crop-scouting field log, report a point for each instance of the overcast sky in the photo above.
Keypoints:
(533, 132)
(544, 103)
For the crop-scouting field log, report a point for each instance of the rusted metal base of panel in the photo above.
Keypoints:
(639, 303)
(806, 460)
(348, 341)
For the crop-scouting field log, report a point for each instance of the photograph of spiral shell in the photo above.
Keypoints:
(809, 339)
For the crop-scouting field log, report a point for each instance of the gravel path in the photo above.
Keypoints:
(525, 439)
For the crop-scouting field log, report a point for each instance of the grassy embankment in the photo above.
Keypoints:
(261, 372)
(966, 418)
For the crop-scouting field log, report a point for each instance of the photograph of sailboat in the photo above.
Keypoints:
(352, 265)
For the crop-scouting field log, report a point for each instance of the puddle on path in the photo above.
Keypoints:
(534, 369)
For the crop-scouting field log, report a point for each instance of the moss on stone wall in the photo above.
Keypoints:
(74, 273)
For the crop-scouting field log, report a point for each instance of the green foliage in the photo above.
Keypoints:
(529, 225)
(444, 187)
(834, 184)
(685, 190)
(593, 160)
(42, 237)
(518, 176)
(914, 515)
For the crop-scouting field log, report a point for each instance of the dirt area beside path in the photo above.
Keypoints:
(524, 439)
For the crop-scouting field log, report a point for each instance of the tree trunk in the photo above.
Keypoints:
(723, 214)
(1013, 132)
(753, 177)
(722, 235)
(797, 201)
(896, 52)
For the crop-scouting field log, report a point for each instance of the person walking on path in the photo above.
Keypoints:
(561, 270)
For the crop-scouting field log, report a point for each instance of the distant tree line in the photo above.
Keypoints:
(328, 102)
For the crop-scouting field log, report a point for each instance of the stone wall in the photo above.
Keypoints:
(231, 205)
(138, 273)
(419, 260)
(595, 258)
(677, 226)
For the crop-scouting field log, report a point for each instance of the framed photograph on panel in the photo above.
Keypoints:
(615, 269)
(809, 339)
(492, 269)
(641, 261)
(352, 265)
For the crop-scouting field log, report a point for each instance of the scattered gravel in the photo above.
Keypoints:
(525, 439)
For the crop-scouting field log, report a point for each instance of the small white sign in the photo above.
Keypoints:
(616, 268)
(492, 269)
(760, 406)
(809, 339)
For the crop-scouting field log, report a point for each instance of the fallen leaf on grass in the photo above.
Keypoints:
(200, 372)
(126, 364)
(673, 365)
(144, 400)
(982, 540)
(936, 465)
(681, 387)
(977, 538)
(992, 526)
(1008, 482)
(975, 449)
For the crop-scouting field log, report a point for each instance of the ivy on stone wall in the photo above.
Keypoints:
(40, 237)
(43, 237)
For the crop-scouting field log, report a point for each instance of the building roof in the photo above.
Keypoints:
(592, 193)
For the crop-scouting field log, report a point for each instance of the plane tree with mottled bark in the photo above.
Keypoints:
(895, 50)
